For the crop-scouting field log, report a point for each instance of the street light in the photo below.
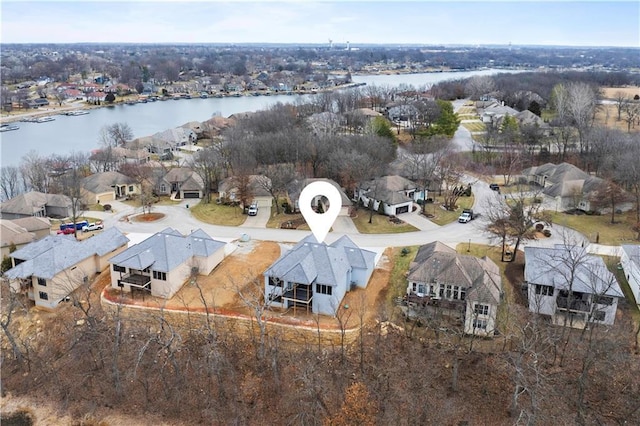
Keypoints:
(469, 246)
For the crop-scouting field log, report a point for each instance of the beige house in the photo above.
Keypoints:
(20, 232)
(163, 262)
(257, 184)
(49, 270)
(180, 183)
(101, 188)
(465, 288)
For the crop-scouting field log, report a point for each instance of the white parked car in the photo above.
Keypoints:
(253, 209)
(465, 217)
(93, 226)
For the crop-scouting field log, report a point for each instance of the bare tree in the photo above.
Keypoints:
(608, 194)
(10, 182)
(275, 180)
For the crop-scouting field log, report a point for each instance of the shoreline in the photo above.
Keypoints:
(54, 109)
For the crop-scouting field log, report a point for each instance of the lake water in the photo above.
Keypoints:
(81, 133)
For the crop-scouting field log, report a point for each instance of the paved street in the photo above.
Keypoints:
(180, 218)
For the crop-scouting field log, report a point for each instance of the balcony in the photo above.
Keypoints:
(137, 280)
(573, 305)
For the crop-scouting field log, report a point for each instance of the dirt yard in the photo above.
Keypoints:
(236, 285)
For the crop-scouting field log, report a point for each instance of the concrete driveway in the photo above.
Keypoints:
(260, 220)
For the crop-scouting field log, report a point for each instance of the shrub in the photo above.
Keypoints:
(546, 233)
(107, 207)
(539, 227)
(405, 251)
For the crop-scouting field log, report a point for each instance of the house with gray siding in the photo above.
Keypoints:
(630, 262)
(315, 276)
(570, 286)
(162, 263)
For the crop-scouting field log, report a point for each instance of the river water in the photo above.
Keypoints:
(81, 133)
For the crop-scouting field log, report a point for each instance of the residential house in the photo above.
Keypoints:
(465, 288)
(180, 183)
(495, 112)
(256, 185)
(37, 204)
(396, 194)
(39, 226)
(179, 136)
(571, 286)
(630, 262)
(316, 276)
(48, 270)
(568, 186)
(163, 262)
(13, 235)
(296, 186)
(17, 233)
(101, 188)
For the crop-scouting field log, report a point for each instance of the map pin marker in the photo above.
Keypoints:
(320, 223)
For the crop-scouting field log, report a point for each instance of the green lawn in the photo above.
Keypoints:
(218, 214)
(599, 228)
(380, 224)
(398, 279)
(467, 110)
(442, 216)
(475, 126)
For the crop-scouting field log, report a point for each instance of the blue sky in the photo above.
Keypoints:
(575, 23)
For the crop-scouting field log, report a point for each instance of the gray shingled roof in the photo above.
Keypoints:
(633, 252)
(309, 262)
(436, 262)
(555, 267)
(166, 250)
(32, 202)
(53, 254)
(103, 182)
(564, 179)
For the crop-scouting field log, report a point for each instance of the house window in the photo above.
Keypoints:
(463, 293)
(448, 293)
(604, 300)
(160, 275)
(44, 295)
(481, 309)
(598, 316)
(275, 282)
(324, 289)
(118, 268)
(42, 282)
(130, 188)
(479, 323)
(422, 289)
(544, 290)
(163, 188)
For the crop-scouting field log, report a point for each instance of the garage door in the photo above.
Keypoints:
(403, 209)
(191, 194)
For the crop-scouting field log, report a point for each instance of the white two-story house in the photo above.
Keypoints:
(572, 287)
